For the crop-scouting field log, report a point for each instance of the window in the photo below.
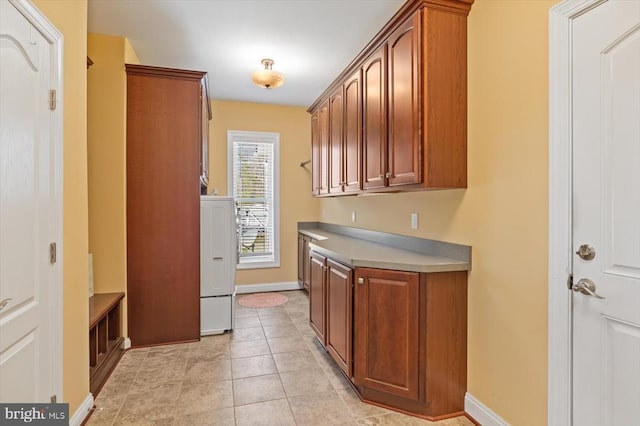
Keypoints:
(253, 176)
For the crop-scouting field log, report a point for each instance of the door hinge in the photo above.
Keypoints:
(54, 399)
(53, 255)
(570, 282)
(52, 99)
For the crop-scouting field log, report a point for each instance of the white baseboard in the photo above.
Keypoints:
(481, 413)
(266, 287)
(126, 343)
(82, 412)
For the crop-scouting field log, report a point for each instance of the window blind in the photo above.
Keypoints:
(253, 190)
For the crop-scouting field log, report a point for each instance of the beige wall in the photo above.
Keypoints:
(130, 55)
(106, 146)
(296, 203)
(502, 214)
(70, 17)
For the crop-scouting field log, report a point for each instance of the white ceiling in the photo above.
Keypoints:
(311, 41)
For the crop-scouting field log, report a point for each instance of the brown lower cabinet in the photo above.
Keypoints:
(331, 307)
(399, 337)
(339, 314)
(387, 332)
(317, 302)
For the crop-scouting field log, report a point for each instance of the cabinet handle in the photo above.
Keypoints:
(360, 280)
(388, 175)
(217, 258)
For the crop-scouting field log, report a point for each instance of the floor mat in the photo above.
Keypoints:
(263, 300)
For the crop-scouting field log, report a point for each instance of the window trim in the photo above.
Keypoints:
(259, 137)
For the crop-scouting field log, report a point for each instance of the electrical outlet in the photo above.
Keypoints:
(414, 220)
(353, 217)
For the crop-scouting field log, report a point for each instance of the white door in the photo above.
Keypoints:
(28, 215)
(606, 214)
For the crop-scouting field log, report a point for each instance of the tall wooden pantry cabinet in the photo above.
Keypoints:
(166, 128)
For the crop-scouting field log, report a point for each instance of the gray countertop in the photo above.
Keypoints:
(358, 252)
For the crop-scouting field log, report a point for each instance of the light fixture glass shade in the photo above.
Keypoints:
(267, 77)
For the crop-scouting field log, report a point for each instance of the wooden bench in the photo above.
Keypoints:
(105, 339)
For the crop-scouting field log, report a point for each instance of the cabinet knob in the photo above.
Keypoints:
(388, 175)
(360, 280)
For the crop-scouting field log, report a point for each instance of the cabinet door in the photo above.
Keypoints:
(374, 116)
(336, 145)
(386, 331)
(163, 206)
(404, 141)
(306, 279)
(352, 133)
(315, 152)
(300, 259)
(317, 294)
(323, 121)
(339, 314)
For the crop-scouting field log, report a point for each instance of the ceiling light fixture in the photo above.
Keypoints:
(267, 78)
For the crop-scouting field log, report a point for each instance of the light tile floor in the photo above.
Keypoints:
(269, 371)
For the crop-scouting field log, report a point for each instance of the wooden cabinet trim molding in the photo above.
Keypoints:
(133, 69)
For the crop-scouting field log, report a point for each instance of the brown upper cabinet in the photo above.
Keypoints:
(403, 106)
(320, 149)
(374, 123)
(397, 115)
(352, 133)
(336, 141)
(315, 152)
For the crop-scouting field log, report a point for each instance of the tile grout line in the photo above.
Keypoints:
(293, 416)
(129, 390)
(233, 386)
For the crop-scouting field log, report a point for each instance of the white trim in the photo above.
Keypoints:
(126, 343)
(560, 241)
(82, 412)
(264, 137)
(267, 287)
(260, 264)
(481, 413)
(56, 40)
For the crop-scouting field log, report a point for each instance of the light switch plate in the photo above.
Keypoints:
(414, 220)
